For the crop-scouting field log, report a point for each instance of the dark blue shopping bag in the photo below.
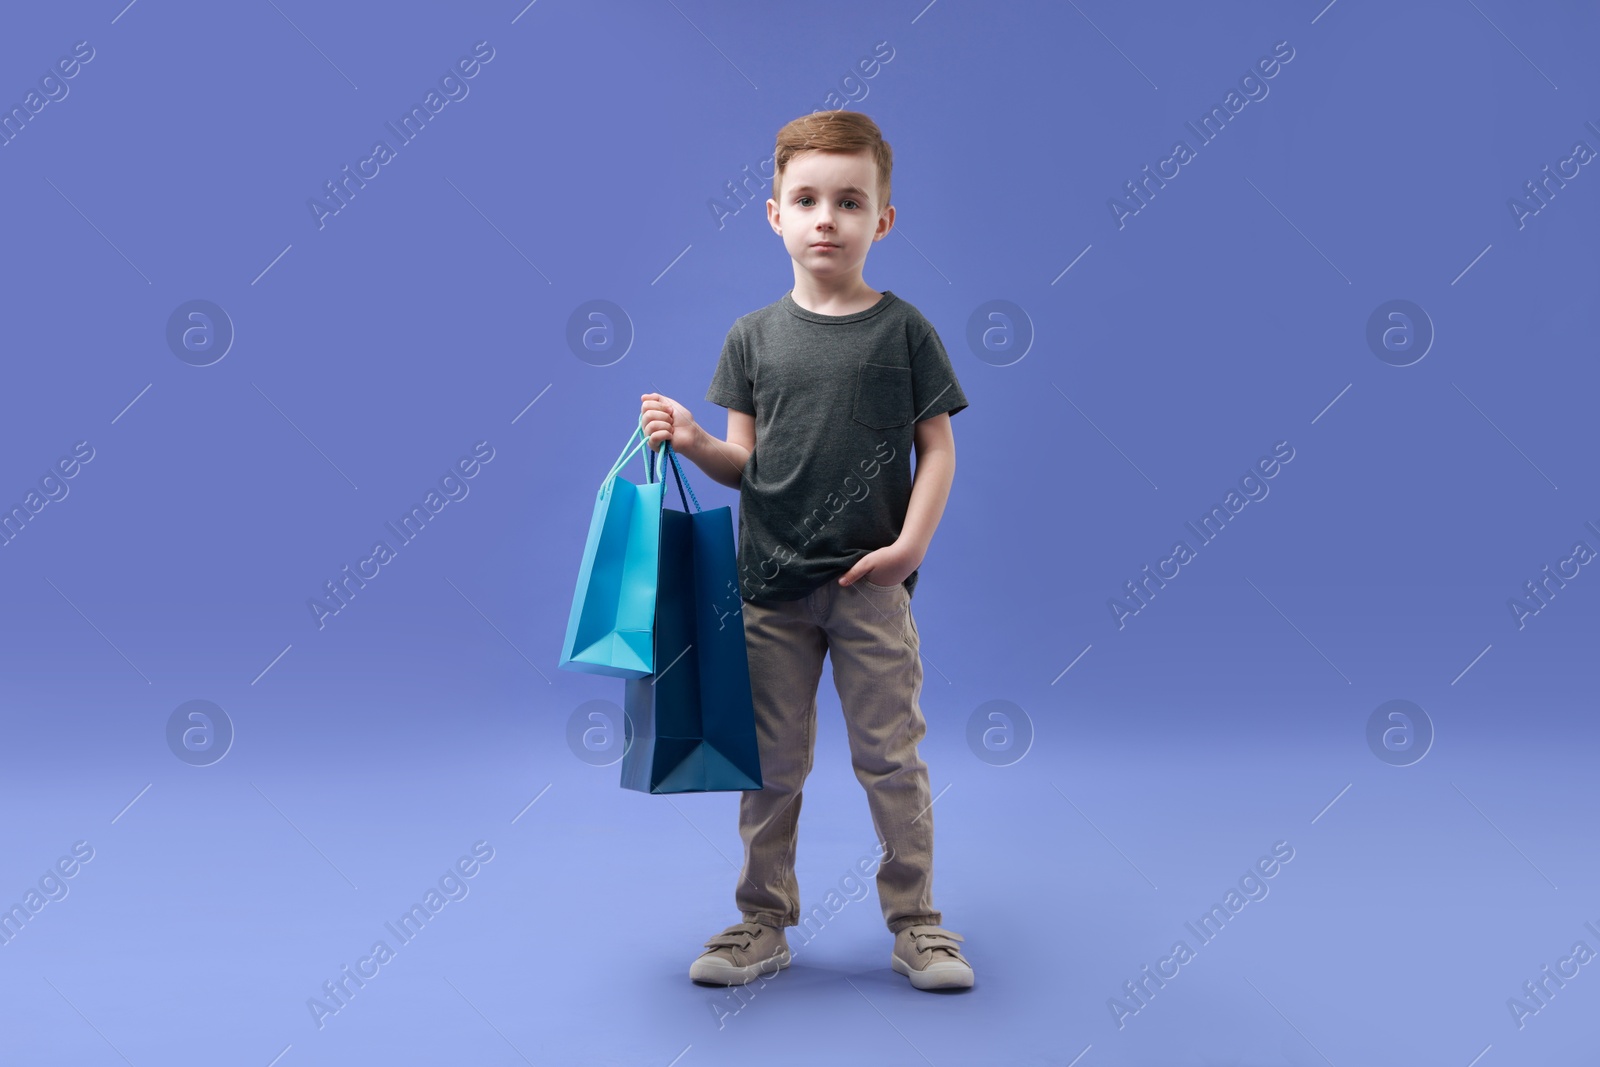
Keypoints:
(690, 726)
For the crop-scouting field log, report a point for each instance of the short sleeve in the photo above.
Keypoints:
(730, 384)
(933, 380)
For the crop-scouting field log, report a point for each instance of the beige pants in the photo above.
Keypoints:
(872, 639)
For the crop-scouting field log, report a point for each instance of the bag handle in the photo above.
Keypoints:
(683, 479)
(635, 442)
(677, 469)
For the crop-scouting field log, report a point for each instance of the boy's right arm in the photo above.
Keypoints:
(722, 461)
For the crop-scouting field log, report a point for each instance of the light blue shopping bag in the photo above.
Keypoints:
(609, 630)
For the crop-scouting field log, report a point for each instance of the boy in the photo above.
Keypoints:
(827, 392)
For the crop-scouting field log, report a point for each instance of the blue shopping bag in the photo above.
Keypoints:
(613, 607)
(690, 727)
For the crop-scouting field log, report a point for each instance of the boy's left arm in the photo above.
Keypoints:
(930, 488)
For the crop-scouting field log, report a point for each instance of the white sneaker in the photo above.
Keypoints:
(740, 953)
(929, 957)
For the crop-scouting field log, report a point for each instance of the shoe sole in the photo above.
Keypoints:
(714, 970)
(935, 977)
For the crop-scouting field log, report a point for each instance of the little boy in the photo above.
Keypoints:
(827, 392)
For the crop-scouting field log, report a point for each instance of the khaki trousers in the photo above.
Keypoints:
(868, 632)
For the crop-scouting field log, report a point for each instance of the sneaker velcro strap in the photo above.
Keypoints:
(937, 939)
(739, 935)
(933, 934)
(928, 944)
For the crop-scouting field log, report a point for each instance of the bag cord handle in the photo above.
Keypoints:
(677, 470)
(637, 440)
(683, 479)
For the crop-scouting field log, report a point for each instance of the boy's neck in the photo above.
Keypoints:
(847, 299)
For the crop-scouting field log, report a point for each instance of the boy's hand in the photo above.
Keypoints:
(889, 565)
(667, 420)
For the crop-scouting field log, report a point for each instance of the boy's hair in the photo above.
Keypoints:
(833, 131)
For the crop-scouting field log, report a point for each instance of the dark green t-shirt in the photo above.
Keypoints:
(835, 399)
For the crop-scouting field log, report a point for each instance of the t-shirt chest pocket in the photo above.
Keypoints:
(883, 396)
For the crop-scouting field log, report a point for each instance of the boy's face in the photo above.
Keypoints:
(830, 199)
